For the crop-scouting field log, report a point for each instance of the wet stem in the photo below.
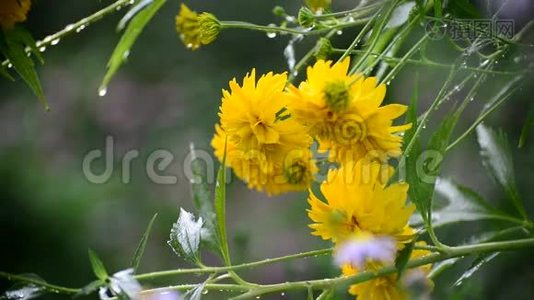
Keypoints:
(75, 27)
(319, 284)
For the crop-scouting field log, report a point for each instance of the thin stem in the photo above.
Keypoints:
(500, 98)
(351, 12)
(40, 283)
(426, 62)
(154, 275)
(375, 36)
(410, 52)
(304, 60)
(368, 275)
(79, 25)
(357, 40)
(276, 29)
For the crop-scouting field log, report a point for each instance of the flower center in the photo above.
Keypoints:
(295, 173)
(336, 94)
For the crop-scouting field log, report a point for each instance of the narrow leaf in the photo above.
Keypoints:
(220, 209)
(185, 236)
(142, 244)
(132, 32)
(132, 12)
(13, 45)
(195, 293)
(526, 128)
(475, 266)
(497, 158)
(402, 259)
(98, 266)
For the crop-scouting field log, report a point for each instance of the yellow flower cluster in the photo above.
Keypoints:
(264, 147)
(359, 202)
(266, 130)
(13, 11)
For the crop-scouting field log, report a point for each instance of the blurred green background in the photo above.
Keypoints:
(167, 97)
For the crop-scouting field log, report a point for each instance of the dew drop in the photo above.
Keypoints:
(42, 49)
(295, 73)
(10, 65)
(350, 19)
(189, 46)
(126, 54)
(339, 32)
(102, 91)
(271, 34)
(70, 27)
(204, 292)
(283, 294)
(79, 29)
(54, 42)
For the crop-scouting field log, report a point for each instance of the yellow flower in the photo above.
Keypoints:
(274, 172)
(250, 114)
(343, 113)
(388, 287)
(195, 29)
(318, 6)
(265, 147)
(13, 11)
(357, 200)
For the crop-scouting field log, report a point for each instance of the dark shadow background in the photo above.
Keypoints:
(167, 97)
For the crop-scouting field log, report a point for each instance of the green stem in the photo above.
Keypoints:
(351, 12)
(376, 35)
(410, 52)
(304, 60)
(368, 275)
(77, 26)
(49, 287)
(357, 40)
(497, 100)
(276, 29)
(426, 62)
(160, 274)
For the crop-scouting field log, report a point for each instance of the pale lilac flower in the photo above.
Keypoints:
(124, 282)
(359, 250)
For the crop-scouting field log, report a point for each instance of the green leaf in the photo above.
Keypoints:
(497, 158)
(475, 266)
(185, 236)
(195, 293)
(13, 45)
(402, 259)
(202, 200)
(463, 204)
(5, 73)
(220, 209)
(98, 266)
(130, 35)
(142, 244)
(526, 128)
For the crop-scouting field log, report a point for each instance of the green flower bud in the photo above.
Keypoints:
(306, 17)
